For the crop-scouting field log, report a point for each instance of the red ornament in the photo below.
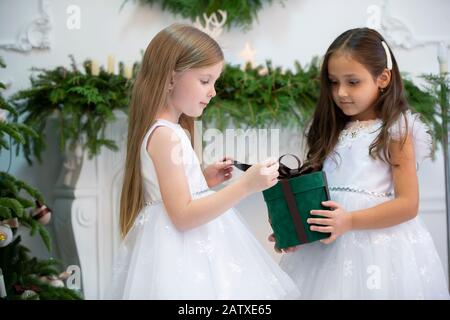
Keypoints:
(42, 213)
(20, 289)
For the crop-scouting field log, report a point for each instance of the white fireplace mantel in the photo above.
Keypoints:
(86, 202)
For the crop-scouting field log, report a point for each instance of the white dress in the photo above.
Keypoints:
(399, 262)
(218, 260)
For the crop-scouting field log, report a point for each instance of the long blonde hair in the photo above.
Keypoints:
(176, 48)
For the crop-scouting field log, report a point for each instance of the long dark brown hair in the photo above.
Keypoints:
(365, 46)
(176, 48)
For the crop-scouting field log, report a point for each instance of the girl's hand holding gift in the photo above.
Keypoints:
(337, 221)
(218, 172)
(271, 238)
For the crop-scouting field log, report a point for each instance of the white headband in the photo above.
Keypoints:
(388, 56)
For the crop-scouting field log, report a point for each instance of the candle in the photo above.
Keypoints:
(111, 64)
(263, 71)
(128, 72)
(248, 54)
(2, 285)
(95, 68)
(443, 57)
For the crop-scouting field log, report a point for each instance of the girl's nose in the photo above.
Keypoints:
(342, 92)
(212, 93)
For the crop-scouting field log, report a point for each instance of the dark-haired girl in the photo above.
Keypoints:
(369, 143)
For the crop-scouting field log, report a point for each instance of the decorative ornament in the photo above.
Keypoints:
(212, 26)
(37, 34)
(20, 289)
(42, 213)
(55, 281)
(64, 275)
(6, 235)
(29, 295)
(241, 13)
(12, 222)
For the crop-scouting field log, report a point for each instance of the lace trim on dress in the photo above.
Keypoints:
(355, 129)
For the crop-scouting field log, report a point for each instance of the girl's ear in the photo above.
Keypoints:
(172, 80)
(384, 79)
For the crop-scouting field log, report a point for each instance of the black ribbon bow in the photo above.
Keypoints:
(284, 171)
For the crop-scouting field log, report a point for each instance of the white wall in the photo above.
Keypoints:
(298, 30)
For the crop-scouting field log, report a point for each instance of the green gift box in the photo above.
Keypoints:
(290, 201)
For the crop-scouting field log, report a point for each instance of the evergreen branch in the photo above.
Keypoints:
(14, 205)
(5, 213)
(45, 236)
(12, 130)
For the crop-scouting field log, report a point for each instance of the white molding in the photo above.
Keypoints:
(396, 31)
(87, 202)
(36, 35)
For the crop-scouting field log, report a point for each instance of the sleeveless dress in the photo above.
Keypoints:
(398, 262)
(217, 260)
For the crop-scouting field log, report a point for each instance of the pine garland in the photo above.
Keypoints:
(259, 96)
(264, 96)
(84, 104)
(240, 13)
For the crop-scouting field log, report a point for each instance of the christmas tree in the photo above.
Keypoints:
(22, 276)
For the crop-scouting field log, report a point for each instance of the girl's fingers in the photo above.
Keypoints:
(228, 170)
(269, 171)
(291, 249)
(223, 165)
(275, 175)
(324, 222)
(274, 167)
(331, 204)
(321, 229)
(271, 238)
(324, 213)
(270, 162)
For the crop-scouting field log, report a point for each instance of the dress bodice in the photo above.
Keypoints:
(185, 153)
(351, 168)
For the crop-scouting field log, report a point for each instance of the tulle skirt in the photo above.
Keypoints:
(218, 260)
(398, 262)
